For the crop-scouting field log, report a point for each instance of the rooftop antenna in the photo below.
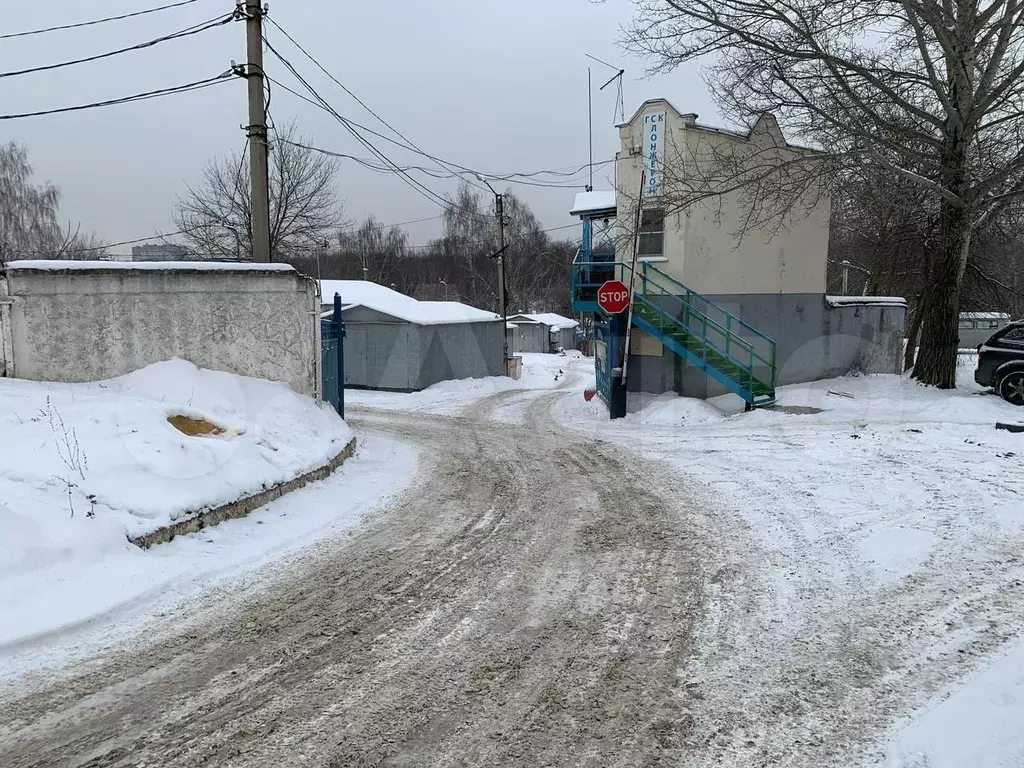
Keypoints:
(620, 102)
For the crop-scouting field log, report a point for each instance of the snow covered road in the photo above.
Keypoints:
(790, 589)
(527, 602)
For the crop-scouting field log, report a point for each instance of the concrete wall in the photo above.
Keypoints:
(814, 340)
(704, 248)
(92, 323)
(404, 357)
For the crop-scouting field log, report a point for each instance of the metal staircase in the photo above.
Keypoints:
(706, 335)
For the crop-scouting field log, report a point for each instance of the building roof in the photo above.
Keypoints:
(556, 322)
(362, 293)
(590, 203)
(765, 118)
(984, 316)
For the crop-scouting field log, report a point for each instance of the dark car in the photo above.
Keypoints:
(1001, 363)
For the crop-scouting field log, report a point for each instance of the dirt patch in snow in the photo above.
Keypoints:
(194, 427)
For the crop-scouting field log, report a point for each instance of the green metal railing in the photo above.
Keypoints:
(729, 349)
(720, 332)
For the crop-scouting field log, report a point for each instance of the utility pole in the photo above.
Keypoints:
(259, 147)
(499, 211)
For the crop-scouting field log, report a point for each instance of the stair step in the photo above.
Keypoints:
(681, 336)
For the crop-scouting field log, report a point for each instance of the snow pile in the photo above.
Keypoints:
(83, 466)
(362, 293)
(93, 599)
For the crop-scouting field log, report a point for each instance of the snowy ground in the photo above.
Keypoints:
(872, 531)
(540, 371)
(84, 466)
(888, 530)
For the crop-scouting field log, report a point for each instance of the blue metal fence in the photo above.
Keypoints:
(332, 357)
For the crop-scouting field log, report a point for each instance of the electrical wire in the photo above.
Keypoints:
(418, 186)
(363, 104)
(410, 145)
(370, 165)
(483, 242)
(195, 86)
(132, 15)
(187, 32)
(509, 177)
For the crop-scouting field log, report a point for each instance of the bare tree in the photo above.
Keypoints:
(929, 92)
(28, 213)
(215, 216)
(380, 253)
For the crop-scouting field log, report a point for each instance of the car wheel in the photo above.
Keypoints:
(1011, 387)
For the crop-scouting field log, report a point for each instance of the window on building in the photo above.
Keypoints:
(652, 232)
(966, 325)
(991, 324)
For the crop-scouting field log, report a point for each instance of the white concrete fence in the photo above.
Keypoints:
(92, 320)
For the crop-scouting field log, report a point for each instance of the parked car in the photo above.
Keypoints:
(1001, 363)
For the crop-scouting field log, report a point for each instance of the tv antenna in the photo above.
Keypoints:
(620, 102)
(620, 106)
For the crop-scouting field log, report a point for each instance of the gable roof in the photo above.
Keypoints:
(362, 293)
(555, 321)
(766, 121)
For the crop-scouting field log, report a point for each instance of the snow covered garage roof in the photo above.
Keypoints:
(591, 203)
(362, 293)
(557, 322)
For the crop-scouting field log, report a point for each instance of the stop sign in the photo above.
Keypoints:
(613, 296)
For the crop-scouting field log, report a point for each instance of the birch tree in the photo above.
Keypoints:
(28, 212)
(929, 91)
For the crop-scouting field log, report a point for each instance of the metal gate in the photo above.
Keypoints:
(332, 358)
(608, 346)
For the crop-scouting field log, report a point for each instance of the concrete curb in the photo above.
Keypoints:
(242, 507)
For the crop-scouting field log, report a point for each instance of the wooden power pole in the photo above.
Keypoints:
(259, 147)
(499, 210)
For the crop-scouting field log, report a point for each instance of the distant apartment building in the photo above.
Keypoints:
(161, 252)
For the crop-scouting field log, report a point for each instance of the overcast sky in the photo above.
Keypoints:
(490, 84)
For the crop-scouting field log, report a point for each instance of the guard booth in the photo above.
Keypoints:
(593, 266)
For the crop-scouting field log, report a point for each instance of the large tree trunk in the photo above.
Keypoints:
(940, 310)
(910, 353)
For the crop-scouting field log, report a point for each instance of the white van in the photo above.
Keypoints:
(977, 327)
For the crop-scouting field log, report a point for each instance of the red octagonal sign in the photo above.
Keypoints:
(613, 296)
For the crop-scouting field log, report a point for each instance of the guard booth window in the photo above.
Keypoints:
(652, 232)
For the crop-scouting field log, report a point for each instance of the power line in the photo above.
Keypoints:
(418, 186)
(440, 240)
(363, 104)
(195, 86)
(410, 145)
(188, 31)
(509, 177)
(165, 235)
(96, 21)
(370, 165)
